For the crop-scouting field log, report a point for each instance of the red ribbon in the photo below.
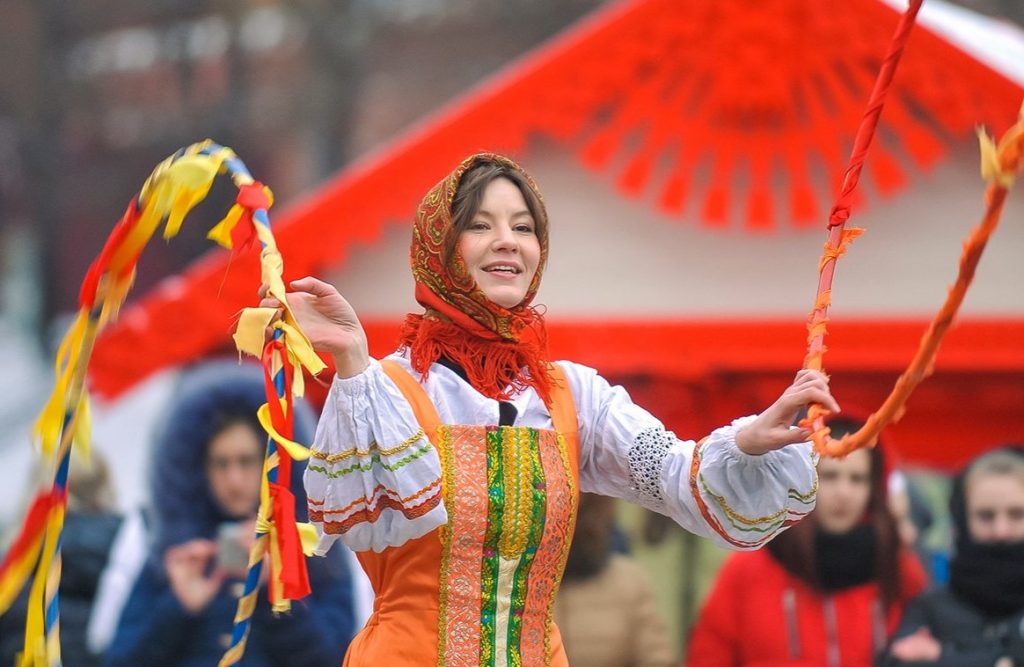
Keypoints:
(35, 523)
(87, 294)
(294, 576)
(251, 198)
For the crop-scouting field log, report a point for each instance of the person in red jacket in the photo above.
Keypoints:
(825, 593)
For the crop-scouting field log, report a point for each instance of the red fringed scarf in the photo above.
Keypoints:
(502, 350)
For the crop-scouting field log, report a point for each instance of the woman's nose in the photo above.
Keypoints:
(1002, 528)
(504, 237)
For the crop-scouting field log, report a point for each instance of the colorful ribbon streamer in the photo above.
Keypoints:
(840, 238)
(171, 191)
(999, 166)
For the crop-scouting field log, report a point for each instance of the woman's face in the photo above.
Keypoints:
(844, 489)
(234, 465)
(995, 508)
(500, 245)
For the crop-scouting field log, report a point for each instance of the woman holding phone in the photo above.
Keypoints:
(207, 465)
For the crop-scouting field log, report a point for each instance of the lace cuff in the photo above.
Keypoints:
(646, 458)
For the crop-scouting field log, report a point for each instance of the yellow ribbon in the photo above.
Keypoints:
(991, 168)
(309, 538)
(250, 337)
(50, 421)
(221, 232)
(299, 348)
(295, 450)
(35, 638)
(18, 572)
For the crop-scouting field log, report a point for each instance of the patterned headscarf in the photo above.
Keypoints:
(502, 350)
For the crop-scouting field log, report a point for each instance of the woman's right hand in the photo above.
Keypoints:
(918, 647)
(186, 566)
(330, 323)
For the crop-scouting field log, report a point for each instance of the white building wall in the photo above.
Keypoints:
(615, 257)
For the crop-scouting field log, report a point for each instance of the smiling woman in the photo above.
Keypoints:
(453, 467)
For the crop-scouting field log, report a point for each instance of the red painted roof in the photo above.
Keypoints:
(708, 105)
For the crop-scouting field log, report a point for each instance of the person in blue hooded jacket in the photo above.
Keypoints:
(205, 482)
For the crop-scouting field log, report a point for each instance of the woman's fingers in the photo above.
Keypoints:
(809, 375)
(811, 386)
(815, 394)
(794, 435)
(270, 303)
(313, 286)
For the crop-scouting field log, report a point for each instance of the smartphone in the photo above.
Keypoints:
(231, 554)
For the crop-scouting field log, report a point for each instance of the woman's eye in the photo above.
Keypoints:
(524, 229)
(478, 225)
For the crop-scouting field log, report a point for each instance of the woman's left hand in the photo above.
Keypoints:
(918, 647)
(773, 428)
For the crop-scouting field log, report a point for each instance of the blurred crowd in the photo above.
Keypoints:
(161, 585)
(851, 584)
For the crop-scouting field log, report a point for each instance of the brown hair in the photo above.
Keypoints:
(470, 193)
(795, 549)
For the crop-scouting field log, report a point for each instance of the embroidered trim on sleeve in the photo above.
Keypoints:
(375, 459)
(369, 509)
(373, 448)
(767, 525)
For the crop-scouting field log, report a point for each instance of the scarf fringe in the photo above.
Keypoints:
(496, 368)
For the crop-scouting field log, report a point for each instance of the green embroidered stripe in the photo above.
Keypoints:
(489, 566)
(374, 460)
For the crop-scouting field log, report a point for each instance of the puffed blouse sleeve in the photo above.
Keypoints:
(712, 488)
(373, 480)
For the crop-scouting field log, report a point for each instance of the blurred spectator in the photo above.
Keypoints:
(206, 476)
(976, 620)
(89, 528)
(827, 591)
(914, 518)
(605, 608)
(128, 554)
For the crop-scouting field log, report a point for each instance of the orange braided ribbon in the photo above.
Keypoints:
(1000, 164)
(840, 238)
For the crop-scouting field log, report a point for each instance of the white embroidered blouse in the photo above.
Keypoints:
(369, 446)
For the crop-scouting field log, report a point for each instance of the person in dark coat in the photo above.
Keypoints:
(89, 528)
(205, 491)
(977, 619)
